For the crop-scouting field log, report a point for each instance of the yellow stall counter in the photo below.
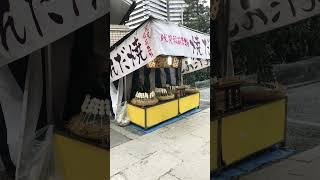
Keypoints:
(147, 117)
(250, 131)
(151, 116)
(77, 160)
(189, 102)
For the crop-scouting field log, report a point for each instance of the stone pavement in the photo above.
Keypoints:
(175, 152)
(303, 166)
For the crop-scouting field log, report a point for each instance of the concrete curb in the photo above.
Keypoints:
(303, 84)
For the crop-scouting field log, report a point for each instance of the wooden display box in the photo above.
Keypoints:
(77, 160)
(227, 97)
(147, 117)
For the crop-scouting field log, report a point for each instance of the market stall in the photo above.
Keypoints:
(239, 134)
(147, 67)
(248, 116)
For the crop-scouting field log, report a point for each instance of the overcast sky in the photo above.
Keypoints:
(208, 3)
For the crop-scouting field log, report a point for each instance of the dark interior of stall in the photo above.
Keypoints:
(143, 83)
(80, 69)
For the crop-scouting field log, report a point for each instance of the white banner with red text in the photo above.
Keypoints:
(154, 38)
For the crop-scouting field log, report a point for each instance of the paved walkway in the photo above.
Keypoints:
(180, 151)
(303, 166)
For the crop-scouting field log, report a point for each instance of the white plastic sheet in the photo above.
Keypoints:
(32, 100)
(11, 100)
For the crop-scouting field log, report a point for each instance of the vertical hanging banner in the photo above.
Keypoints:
(27, 25)
(154, 38)
(252, 17)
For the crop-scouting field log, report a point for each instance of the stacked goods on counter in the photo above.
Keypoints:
(180, 91)
(191, 90)
(164, 94)
(227, 94)
(145, 99)
(266, 88)
(92, 122)
(260, 92)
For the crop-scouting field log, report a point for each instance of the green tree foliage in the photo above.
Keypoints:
(284, 45)
(197, 16)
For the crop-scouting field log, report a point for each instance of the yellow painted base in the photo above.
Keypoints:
(189, 102)
(151, 116)
(251, 131)
(80, 161)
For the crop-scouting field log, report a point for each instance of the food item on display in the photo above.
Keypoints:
(191, 90)
(92, 122)
(145, 99)
(181, 90)
(164, 94)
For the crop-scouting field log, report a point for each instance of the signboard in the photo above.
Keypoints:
(26, 26)
(154, 38)
(194, 64)
(252, 17)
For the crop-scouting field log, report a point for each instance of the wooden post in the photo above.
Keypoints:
(220, 28)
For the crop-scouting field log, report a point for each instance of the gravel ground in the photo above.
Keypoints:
(205, 98)
(304, 103)
(302, 137)
(304, 117)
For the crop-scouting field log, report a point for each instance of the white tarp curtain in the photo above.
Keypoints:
(11, 97)
(30, 113)
(252, 17)
(26, 26)
(154, 38)
(21, 112)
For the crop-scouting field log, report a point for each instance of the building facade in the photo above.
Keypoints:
(157, 9)
(176, 9)
(117, 32)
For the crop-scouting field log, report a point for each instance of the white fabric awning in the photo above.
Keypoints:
(26, 26)
(153, 38)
